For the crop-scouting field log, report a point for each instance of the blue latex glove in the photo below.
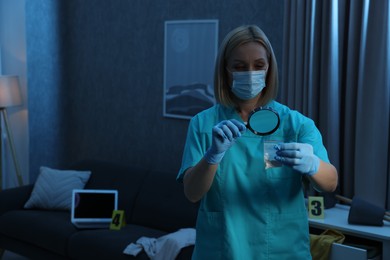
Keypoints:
(224, 135)
(298, 156)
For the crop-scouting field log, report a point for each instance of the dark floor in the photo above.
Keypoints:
(12, 256)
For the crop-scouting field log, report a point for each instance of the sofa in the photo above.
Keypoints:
(153, 202)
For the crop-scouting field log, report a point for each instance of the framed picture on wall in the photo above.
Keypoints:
(189, 57)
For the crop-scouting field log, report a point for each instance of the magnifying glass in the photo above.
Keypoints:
(263, 121)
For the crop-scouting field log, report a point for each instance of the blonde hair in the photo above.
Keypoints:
(235, 38)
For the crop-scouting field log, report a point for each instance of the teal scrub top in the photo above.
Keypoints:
(251, 212)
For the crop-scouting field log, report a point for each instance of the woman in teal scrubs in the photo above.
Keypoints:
(251, 209)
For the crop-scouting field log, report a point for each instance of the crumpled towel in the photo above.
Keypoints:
(165, 247)
(321, 245)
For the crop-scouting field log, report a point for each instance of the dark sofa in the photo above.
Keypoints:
(153, 202)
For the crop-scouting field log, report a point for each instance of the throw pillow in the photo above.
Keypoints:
(53, 188)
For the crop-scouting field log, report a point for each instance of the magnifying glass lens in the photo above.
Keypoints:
(263, 121)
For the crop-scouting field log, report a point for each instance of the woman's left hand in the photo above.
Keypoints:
(299, 156)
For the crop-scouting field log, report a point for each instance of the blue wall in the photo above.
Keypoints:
(95, 76)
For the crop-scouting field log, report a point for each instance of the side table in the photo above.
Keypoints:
(337, 218)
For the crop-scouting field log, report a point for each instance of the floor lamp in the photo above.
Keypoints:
(9, 96)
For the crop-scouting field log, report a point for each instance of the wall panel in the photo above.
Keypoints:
(96, 76)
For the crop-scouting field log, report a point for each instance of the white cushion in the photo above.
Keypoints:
(53, 188)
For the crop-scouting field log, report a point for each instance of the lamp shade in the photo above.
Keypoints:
(9, 91)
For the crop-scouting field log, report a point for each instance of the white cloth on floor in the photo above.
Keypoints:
(165, 247)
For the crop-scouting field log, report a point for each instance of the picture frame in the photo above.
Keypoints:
(190, 50)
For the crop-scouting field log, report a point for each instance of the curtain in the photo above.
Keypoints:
(336, 70)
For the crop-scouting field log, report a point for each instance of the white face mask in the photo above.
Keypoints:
(248, 84)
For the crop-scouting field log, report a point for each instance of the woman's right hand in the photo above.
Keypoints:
(224, 135)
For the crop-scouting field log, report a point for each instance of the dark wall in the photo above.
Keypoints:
(95, 76)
